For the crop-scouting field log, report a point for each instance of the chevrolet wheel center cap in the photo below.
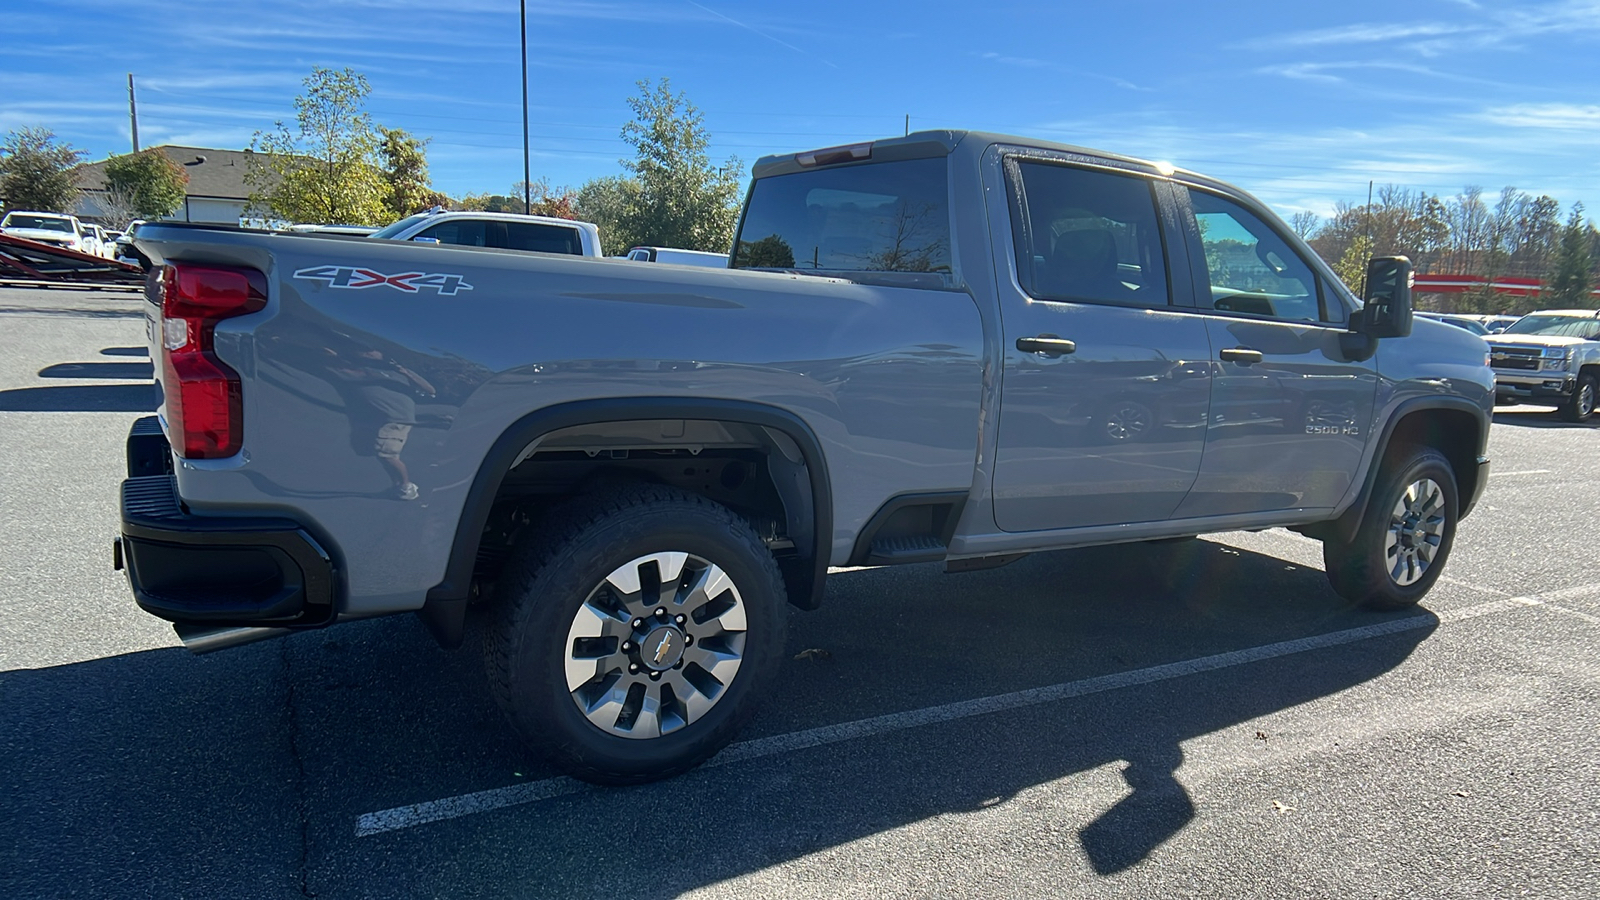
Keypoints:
(662, 648)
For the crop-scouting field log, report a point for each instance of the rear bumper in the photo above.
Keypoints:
(215, 571)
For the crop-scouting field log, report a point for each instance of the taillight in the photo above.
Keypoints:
(203, 396)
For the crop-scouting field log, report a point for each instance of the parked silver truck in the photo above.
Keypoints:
(946, 347)
(1552, 358)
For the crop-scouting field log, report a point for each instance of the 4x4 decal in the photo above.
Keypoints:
(357, 278)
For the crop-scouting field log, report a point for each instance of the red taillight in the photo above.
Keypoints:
(203, 396)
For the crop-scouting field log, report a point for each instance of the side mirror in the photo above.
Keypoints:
(425, 240)
(1387, 312)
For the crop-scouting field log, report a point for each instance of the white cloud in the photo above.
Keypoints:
(1560, 116)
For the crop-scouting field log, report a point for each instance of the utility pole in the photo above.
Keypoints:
(133, 114)
(527, 189)
(908, 123)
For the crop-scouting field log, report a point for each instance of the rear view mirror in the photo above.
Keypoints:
(1387, 297)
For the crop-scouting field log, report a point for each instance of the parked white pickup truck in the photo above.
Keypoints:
(507, 231)
(47, 228)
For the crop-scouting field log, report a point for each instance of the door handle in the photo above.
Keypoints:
(1244, 356)
(1051, 345)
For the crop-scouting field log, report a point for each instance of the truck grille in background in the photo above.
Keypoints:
(1507, 358)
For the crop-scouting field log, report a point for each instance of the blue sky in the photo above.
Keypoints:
(1300, 103)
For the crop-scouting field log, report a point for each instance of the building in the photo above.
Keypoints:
(216, 193)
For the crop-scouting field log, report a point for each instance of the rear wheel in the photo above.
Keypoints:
(1580, 406)
(639, 631)
(1404, 538)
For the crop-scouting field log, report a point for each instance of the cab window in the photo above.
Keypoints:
(1087, 235)
(465, 232)
(1249, 267)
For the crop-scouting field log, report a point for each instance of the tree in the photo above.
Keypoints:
(148, 184)
(1573, 279)
(329, 168)
(673, 196)
(405, 172)
(604, 201)
(1352, 266)
(1305, 223)
(547, 201)
(36, 171)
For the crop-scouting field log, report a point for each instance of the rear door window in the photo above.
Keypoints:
(542, 238)
(1087, 235)
(878, 217)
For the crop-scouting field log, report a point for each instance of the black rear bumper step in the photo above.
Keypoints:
(221, 570)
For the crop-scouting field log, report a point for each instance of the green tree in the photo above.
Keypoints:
(672, 196)
(1352, 265)
(1573, 279)
(328, 169)
(405, 172)
(36, 171)
(149, 183)
(604, 201)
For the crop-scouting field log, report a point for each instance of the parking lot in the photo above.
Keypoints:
(1203, 719)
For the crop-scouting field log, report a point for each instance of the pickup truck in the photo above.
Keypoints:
(507, 231)
(1549, 357)
(946, 347)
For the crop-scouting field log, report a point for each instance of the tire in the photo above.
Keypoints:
(1580, 406)
(586, 672)
(1405, 535)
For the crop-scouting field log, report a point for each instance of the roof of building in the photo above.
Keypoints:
(212, 172)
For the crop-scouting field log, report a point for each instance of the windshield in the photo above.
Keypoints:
(878, 217)
(390, 231)
(42, 223)
(1561, 326)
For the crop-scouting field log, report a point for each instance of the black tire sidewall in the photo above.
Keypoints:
(540, 706)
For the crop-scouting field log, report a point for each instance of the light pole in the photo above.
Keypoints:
(527, 189)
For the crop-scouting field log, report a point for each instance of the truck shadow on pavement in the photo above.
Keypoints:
(133, 371)
(243, 773)
(80, 398)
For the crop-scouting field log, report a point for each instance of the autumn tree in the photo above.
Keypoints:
(405, 173)
(148, 184)
(36, 171)
(328, 168)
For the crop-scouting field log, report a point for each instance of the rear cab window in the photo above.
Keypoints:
(1087, 235)
(878, 217)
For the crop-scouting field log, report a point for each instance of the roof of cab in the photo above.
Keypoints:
(920, 144)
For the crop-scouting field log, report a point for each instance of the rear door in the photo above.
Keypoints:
(1289, 411)
(1106, 384)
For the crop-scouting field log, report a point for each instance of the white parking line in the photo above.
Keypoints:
(1493, 474)
(514, 795)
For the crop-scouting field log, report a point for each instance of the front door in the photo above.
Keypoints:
(1105, 388)
(1289, 411)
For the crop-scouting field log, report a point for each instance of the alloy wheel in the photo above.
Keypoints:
(655, 645)
(1416, 529)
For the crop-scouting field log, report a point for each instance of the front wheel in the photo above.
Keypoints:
(1580, 406)
(1404, 537)
(639, 632)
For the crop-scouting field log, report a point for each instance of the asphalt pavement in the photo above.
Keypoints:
(1193, 720)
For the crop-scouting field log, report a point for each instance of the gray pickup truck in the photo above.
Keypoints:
(946, 347)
